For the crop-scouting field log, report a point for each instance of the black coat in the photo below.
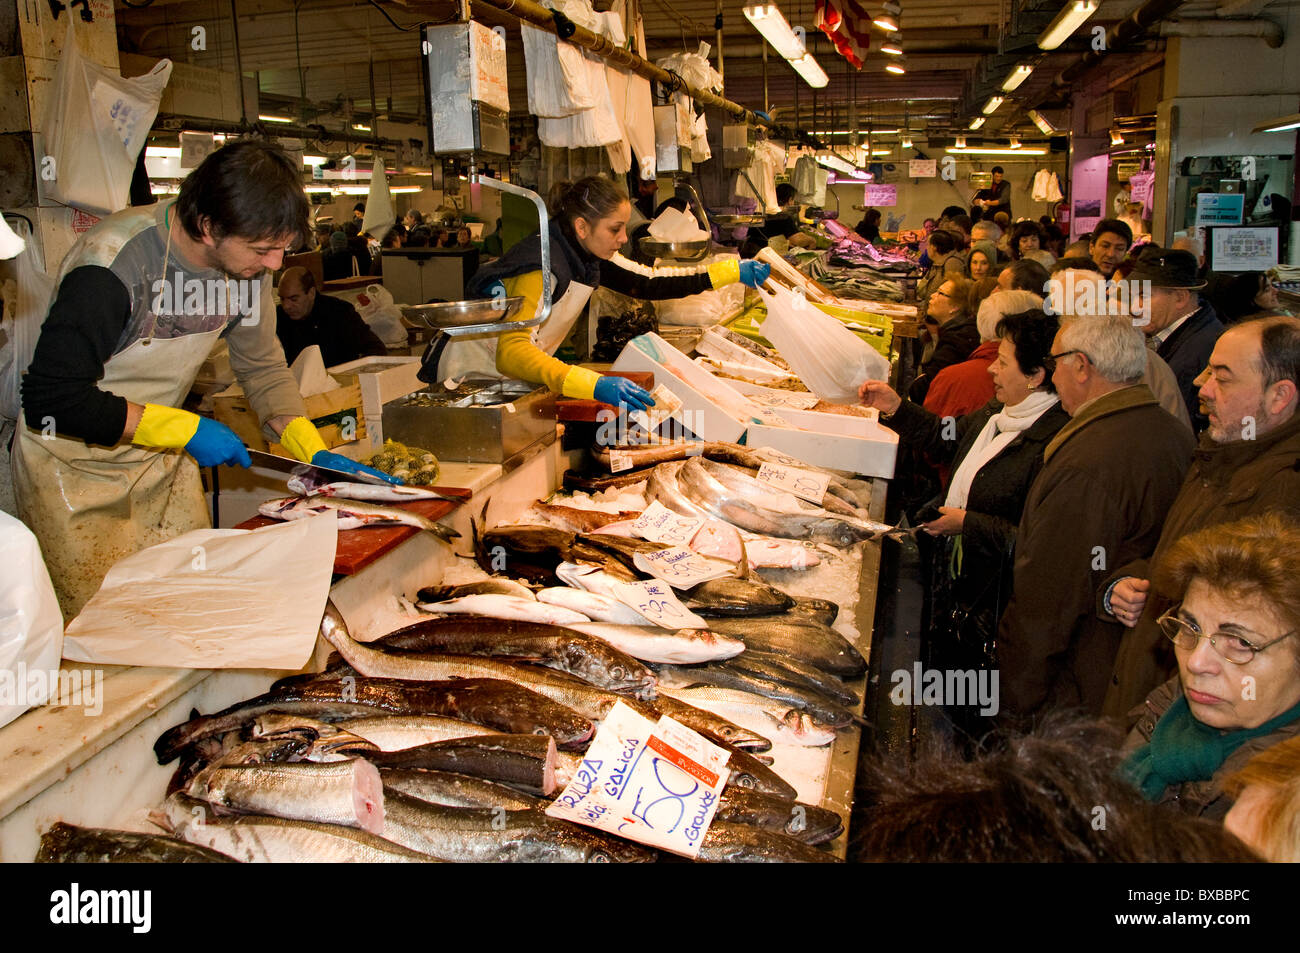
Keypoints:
(1187, 352)
(335, 326)
(957, 340)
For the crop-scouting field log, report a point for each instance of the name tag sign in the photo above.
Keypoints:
(659, 524)
(655, 600)
(679, 567)
(654, 783)
(804, 484)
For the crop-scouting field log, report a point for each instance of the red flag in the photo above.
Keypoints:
(848, 25)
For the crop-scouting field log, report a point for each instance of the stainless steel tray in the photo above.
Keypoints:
(680, 251)
(460, 314)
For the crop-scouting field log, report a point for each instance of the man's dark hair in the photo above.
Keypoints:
(952, 210)
(1115, 227)
(1075, 263)
(418, 237)
(1035, 798)
(995, 170)
(248, 189)
(785, 192)
(360, 207)
(306, 280)
(1028, 275)
(1032, 333)
(1279, 348)
(963, 222)
(943, 242)
(675, 202)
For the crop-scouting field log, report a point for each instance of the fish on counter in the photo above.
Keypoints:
(788, 725)
(800, 638)
(525, 762)
(804, 822)
(342, 792)
(653, 644)
(746, 844)
(459, 790)
(352, 514)
(399, 732)
(795, 672)
(533, 552)
(305, 485)
(594, 606)
(723, 675)
(576, 520)
(729, 597)
(69, 844)
(504, 607)
(496, 586)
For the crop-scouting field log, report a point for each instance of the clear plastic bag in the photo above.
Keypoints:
(827, 356)
(96, 123)
(705, 309)
(376, 307)
(31, 625)
(23, 327)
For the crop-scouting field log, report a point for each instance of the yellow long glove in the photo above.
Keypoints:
(519, 357)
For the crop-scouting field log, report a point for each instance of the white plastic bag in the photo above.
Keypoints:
(23, 327)
(95, 126)
(705, 309)
(557, 75)
(827, 356)
(31, 626)
(379, 217)
(376, 307)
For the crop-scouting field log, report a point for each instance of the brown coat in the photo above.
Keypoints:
(1202, 798)
(1108, 479)
(1226, 482)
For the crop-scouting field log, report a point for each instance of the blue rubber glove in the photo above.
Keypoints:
(620, 390)
(336, 461)
(754, 273)
(214, 444)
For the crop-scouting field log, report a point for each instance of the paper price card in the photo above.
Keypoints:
(666, 403)
(655, 600)
(618, 461)
(679, 567)
(659, 524)
(657, 784)
(804, 484)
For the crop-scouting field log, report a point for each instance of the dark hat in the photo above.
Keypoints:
(1167, 268)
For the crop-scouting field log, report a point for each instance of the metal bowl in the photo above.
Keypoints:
(458, 314)
(732, 221)
(696, 250)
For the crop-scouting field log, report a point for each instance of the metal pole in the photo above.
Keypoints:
(239, 66)
(767, 100)
(717, 24)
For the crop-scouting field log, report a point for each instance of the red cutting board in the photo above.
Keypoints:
(578, 410)
(358, 548)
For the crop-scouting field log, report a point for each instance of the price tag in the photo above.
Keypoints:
(661, 525)
(656, 601)
(804, 484)
(657, 784)
(679, 567)
(618, 462)
(666, 403)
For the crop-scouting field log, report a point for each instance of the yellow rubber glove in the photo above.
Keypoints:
(165, 427)
(725, 272)
(519, 357)
(302, 439)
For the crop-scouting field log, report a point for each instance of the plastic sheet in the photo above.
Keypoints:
(31, 626)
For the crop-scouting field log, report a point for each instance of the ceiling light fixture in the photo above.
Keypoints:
(907, 142)
(360, 128)
(1281, 124)
(1039, 120)
(960, 149)
(1016, 77)
(977, 122)
(892, 46)
(888, 19)
(810, 70)
(896, 66)
(770, 22)
(314, 160)
(961, 142)
(992, 105)
(1015, 142)
(1116, 138)
(267, 117)
(1066, 22)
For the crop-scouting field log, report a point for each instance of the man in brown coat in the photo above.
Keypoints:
(1248, 462)
(1108, 479)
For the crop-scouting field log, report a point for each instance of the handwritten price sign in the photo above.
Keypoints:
(804, 484)
(661, 525)
(655, 600)
(656, 784)
(680, 567)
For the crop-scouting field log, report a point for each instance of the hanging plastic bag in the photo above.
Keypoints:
(379, 217)
(376, 307)
(31, 626)
(95, 126)
(557, 75)
(23, 327)
(827, 356)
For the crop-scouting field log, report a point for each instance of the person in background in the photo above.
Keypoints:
(306, 317)
(464, 238)
(357, 248)
(412, 219)
(941, 247)
(1079, 249)
(927, 226)
(1025, 275)
(358, 215)
(1182, 328)
(1003, 221)
(587, 227)
(869, 227)
(1097, 503)
(961, 227)
(985, 230)
(1247, 463)
(418, 237)
(323, 231)
(982, 262)
(1053, 237)
(1240, 296)
(1025, 237)
(784, 223)
(993, 200)
(1191, 242)
(1108, 245)
(1265, 812)
(958, 334)
(1132, 217)
(1233, 623)
(979, 291)
(391, 240)
(337, 261)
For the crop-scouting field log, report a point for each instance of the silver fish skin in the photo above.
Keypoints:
(745, 844)
(799, 637)
(596, 606)
(716, 673)
(255, 838)
(665, 487)
(653, 644)
(800, 728)
(804, 822)
(504, 607)
(459, 790)
(69, 844)
(371, 492)
(344, 792)
(792, 671)
(399, 732)
(352, 514)
(497, 585)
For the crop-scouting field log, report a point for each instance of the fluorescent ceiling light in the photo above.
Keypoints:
(1015, 142)
(162, 152)
(961, 149)
(1281, 124)
(1016, 77)
(881, 152)
(831, 161)
(896, 67)
(977, 122)
(1116, 138)
(892, 47)
(770, 22)
(404, 188)
(1039, 120)
(862, 132)
(314, 160)
(1067, 21)
(318, 188)
(267, 117)
(888, 19)
(992, 105)
(907, 142)
(360, 128)
(156, 189)
(812, 73)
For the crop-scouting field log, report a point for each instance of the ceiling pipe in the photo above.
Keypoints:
(1266, 30)
(923, 47)
(1127, 31)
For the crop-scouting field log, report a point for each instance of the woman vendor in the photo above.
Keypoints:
(588, 226)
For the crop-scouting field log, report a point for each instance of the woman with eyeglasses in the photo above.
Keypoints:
(1237, 692)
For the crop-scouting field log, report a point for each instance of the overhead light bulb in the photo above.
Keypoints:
(892, 47)
(770, 22)
(1039, 120)
(314, 160)
(360, 128)
(267, 117)
(996, 151)
(1015, 142)
(810, 70)
(1116, 138)
(1066, 22)
(888, 19)
(1016, 77)
(961, 142)
(1280, 124)
(907, 142)
(991, 106)
(977, 122)
(896, 67)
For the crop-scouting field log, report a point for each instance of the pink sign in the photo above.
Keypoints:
(880, 195)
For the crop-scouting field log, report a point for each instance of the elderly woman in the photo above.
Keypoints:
(1237, 691)
(995, 453)
(951, 332)
(1025, 237)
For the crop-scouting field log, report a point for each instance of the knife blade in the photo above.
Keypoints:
(271, 461)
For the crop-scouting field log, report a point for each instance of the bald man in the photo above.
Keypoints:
(306, 317)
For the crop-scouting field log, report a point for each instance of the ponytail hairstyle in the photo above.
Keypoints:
(591, 199)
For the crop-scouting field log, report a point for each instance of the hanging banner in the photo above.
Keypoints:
(847, 24)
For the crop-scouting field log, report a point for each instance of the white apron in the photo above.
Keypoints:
(477, 356)
(90, 506)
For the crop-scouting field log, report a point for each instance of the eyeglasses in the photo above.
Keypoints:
(1237, 649)
(941, 294)
(1057, 357)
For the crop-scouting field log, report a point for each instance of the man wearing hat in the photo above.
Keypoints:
(1180, 327)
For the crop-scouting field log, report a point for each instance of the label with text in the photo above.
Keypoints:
(804, 484)
(618, 461)
(659, 524)
(666, 403)
(656, 600)
(680, 567)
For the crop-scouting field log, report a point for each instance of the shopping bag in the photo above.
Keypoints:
(96, 123)
(377, 309)
(379, 216)
(827, 356)
(31, 626)
(23, 327)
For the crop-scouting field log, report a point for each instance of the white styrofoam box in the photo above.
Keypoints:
(835, 441)
(396, 379)
(716, 346)
(775, 397)
(710, 409)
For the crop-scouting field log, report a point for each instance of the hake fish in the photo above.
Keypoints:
(485, 587)
(352, 514)
(594, 606)
(735, 597)
(504, 607)
(724, 676)
(69, 844)
(792, 671)
(804, 822)
(789, 725)
(459, 790)
(304, 485)
(343, 792)
(526, 762)
(576, 520)
(399, 732)
(747, 844)
(653, 644)
(799, 638)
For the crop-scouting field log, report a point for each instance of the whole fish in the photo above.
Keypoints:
(595, 606)
(664, 486)
(735, 597)
(800, 728)
(399, 732)
(344, 792)
(304, 485)
(526, 762)
(799, 638)
(855, 493)
(68, 844)
(650, 643)
(325, 738)
(532, 552)
(504, 607)
(788, 725)
(352, 514)
(728, 843)
(497, 705)
(713, 726)
(717, 673)
(487, 587)
(459, 790)
(561, 648)
(254, 838)
(804, 822)
(574, 481)
(744, 480)
(577, 520)
(582, 696)
(768, 552)
(621, 528)
(792, 671)
(483, 835)
(647, 455)
(622, 548)
(822, 611)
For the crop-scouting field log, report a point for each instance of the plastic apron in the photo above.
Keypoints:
(90, 506)
(477, 357)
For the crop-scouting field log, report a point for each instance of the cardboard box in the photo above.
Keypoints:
(380, 380)
(710, 409)
(337, 414)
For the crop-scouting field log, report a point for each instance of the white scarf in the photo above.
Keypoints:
(1002, 428)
